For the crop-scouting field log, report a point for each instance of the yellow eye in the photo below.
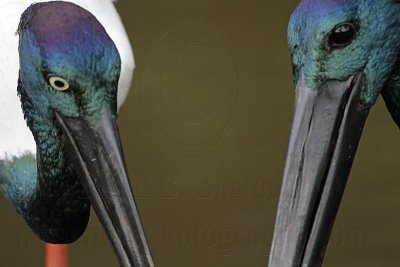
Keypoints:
(58, 83)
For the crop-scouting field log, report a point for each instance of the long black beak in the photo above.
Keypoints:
(326, 129)
(96, 153)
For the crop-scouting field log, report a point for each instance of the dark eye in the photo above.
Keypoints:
(343, 34)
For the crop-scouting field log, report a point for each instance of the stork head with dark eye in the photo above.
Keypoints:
(345, 53)
(334, 39)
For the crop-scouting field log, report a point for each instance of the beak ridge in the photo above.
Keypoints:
(321, 149)
(97, 156)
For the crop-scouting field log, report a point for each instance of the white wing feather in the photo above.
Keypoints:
(15, 137)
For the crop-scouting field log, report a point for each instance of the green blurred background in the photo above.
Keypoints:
(205, 131)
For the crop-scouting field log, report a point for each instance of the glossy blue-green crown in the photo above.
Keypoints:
(373, 51)
(61, 39)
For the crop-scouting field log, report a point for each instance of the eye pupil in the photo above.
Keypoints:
(342, 35)
(59, 83)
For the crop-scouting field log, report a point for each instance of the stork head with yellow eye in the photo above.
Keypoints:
(68, 81)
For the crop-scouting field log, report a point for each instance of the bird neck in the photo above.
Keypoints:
(18, 179)
(391, 93)
(57, 209)
(58, 191)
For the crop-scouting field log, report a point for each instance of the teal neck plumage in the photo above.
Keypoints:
(391, 94)
(58, 190)
(18, 180)
(46, 190)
